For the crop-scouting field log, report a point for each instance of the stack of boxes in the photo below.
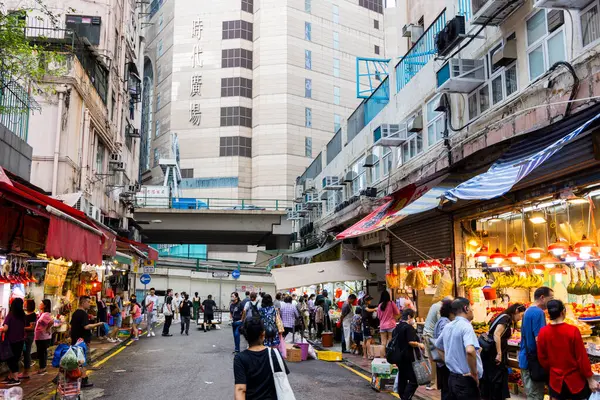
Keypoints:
(383, 375)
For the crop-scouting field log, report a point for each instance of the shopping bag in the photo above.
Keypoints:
(282, 385)
(69, 362)
(5, 351)
(421, 368)
(281, 347)
(595, 396)
(61, 349)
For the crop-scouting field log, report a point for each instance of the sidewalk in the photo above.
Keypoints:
(40, 386)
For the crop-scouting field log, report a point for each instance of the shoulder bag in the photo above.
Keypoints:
(282, 385)
(422, 368)
(433, 350)
(279, 323)
(486, 341)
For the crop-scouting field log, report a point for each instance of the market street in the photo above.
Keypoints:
(200, 366)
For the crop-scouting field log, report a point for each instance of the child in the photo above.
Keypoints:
(356, 329)
(320, 317)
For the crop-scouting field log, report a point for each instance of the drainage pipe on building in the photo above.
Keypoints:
(61, 95)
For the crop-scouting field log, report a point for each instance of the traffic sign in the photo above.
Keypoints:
(220, 274)
(145, 279)
(236, 273)
(149, 269)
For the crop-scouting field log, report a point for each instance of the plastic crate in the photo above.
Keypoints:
(329, 355)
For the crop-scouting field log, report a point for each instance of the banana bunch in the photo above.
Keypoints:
(515, 281)
(471, 283)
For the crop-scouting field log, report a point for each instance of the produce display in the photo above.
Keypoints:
(517, 281)
(582, 283)
(515, 339)
(596, 369)
(584, 328)
(585, 311)
(416, 279)
(471, 283)
(480, 327)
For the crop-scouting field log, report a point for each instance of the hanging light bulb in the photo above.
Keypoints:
(558, 248)
(579, 264)
(571, 256)
(514, 255)
(535, 253)
(559, 278)
(584, 245)
(474, 242)
(482, 255)
(538, 270)
(549, 261)
(585, 256)
(497, 257)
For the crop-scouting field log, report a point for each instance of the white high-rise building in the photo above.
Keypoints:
(246, 92)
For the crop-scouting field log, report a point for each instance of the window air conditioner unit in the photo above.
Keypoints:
(450, 36)
(309, 184)
(350, 176)
(298, 192)
(416, 124)
(312, 198)
(390, 135)
(134, 133)
(506, 55)
(412, 31)
(114, 158)
(293, 216)
(460, 75)
(493, 12)
(568, 4)
(96, 214)
(118, 166)
(370, 161)
(301, 208)
(332, 183)
(131, 189)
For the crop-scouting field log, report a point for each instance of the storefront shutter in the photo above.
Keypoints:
(432, 234)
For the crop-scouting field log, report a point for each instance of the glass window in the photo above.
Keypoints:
(536, 27)
(157, 128)
(161, 20)
(376, 23)
(536, 62)
(308, 31)
(307, 59)
(156, 157)
(435, 122)
(159, 48)
(157, 101)
(238, 29)
(336, 95)
(473, 110)
(590, 24)
(484, 99)
(307, 5)
(100, 150)
(497, 88)
(236, 116)
(336, 67)
(336, 40)
(419, 142)
(336, 14)
(556, 48)
(337, 121)
(308, 88)
(376, 49)
(308, 147)
(235, 146)
(248, 6)
(308, 117)
(511, 80)
(387, 160)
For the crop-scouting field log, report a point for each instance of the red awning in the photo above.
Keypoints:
(151, 252)
(70, 236)
(73, 242)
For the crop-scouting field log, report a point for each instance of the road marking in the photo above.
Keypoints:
(365, 377)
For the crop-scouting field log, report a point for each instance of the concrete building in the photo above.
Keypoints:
(245, 93)
(512, 88)
(86, 139)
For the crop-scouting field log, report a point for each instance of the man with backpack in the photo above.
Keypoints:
(251, 308)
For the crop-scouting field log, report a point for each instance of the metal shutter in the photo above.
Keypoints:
(432, 235)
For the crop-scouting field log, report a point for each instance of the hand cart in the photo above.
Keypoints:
(69, 385)
(217, 319)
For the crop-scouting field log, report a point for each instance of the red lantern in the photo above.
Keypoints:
(497, 257)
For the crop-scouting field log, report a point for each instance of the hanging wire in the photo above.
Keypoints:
(419, 252)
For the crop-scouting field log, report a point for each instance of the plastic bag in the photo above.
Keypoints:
(595, 396)
(69, 361)
(311, 352)
(444, 288)
(282, 349)
(60, 351)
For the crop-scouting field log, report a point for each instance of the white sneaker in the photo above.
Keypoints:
(149, 334)
(153, 334)
(119, 340)
(111, 340)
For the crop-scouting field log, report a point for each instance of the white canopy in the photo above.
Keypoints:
(321, 272)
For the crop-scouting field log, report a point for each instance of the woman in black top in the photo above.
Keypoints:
(407, 341)
(494, 384)
(251, 367)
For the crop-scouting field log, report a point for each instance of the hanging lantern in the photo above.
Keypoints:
(571, 256)
(534, 253)
(585, 245)
(435, 264)
(422, 264)
(558, 248)
(447, 261)
(538, 269)
(514, 255)
(482, 255)
(506, 265)
(497, 257)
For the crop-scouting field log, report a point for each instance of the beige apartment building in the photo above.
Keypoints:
(243, 94)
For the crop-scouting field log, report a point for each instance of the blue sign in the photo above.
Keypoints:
(145, 279)
(236, 273)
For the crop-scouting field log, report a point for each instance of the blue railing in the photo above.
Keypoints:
(378, 100)
(420, 54)
(210, 203)
(374, 70)
(464, 9)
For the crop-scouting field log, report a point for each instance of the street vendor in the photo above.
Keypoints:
(82, 329)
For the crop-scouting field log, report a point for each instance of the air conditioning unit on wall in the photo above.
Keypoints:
(565, 4)
(412, 31)
(390, 135)
(493, 12)
(450, 36)
(460, 75)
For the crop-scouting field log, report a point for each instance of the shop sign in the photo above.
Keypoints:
(220, 274)
(371, 239)
(153, 197)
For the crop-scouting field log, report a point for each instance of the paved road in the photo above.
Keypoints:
(199, 366)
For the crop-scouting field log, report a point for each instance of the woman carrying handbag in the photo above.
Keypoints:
(259, 371)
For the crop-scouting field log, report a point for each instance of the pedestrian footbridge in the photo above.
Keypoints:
(215, 221)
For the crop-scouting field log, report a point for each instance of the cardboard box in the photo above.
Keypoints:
(377, 351)
(294, 355)
(383, 382)
(381, 366)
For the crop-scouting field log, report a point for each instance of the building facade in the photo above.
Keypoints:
(85, 140)
(451, 109)
(243, 94)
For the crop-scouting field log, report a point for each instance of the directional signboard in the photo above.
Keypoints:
(220, 274)
(145, 279)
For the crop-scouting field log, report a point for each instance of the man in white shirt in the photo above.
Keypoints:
(151, 307)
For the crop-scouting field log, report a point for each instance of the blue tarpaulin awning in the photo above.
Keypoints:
(518, 162)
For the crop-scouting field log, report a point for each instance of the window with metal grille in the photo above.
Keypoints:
(233, 146)
(236, 87)
(373, 5)
(248, 6)
(308, 88)
(308, 147)
(376, 23)
(237, 30)
(308, 117)
(590, 23)
(187, 173)
(376, 49)
(236, 116)
(86, 27)
(231, 58)
(308, 31)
